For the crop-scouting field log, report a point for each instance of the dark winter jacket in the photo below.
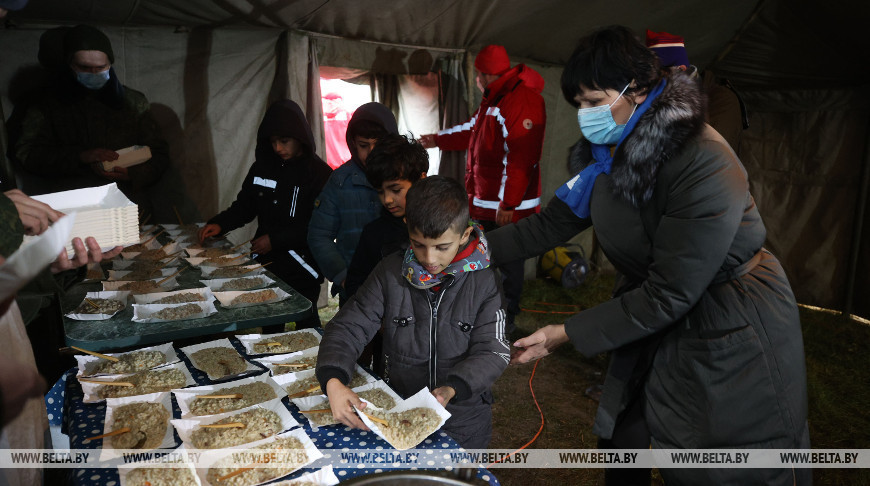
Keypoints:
(280, 194)
(454, 337)
(503, 140)
(381, 237)
(348, 202)
(72, 119)
(708, 334)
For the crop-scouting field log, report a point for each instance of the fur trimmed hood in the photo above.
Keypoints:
(675, 117)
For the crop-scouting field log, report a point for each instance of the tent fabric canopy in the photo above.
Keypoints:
(211, 67)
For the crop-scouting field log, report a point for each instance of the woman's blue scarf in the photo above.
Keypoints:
(577, 192)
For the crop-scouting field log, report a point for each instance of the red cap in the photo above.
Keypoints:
(492, 59)
(670, 48)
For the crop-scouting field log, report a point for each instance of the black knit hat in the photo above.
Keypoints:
(86, 38)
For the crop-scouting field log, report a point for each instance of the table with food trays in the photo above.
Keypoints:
(331, 443)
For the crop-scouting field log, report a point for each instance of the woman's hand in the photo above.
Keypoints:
(342, 400)
(87, 252)
(208, 231)
(539, 344)
(35, 216)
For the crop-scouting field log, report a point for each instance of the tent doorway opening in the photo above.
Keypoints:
(414, 101)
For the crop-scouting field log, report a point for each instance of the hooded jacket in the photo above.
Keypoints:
(348, 202)
(707, 330)
(280, 194)
(453, 336)
(503, 140)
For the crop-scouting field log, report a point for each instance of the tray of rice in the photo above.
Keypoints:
(377, 393)
(141, 286)
(147, 417)
(214, 252)
(175, 297)
(237, 427)
(281, 455)
(164, 378)
(98, 306)
(284, 342)
(238, 283)
(281, 364)
(231, 272)
(409, 422)
(130, 265)
(172, 312)
(218, 359)
(248, 298)
(165, 470)
(159, 253)
(230, 260)
(128, 361)
(203, 400)
(305, 384)
(142, 273)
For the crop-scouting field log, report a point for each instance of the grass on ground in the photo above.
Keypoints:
(838, 373)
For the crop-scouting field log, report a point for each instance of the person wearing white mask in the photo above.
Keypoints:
(84, 120)
(704, 335)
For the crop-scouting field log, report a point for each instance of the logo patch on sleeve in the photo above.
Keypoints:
(527, 124)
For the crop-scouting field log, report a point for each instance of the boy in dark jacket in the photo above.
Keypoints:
(441, 314)
(348, 202)
(393, 165)
(279, 190)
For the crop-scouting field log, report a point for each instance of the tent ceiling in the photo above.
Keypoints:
(544, 30)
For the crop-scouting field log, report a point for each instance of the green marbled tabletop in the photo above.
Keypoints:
(121, 332)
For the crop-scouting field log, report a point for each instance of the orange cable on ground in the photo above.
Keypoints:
(532, 377)
(552, 303)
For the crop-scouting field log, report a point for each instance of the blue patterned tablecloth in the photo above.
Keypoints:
(81, 420)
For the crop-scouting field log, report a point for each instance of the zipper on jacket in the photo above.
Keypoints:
(433, 331)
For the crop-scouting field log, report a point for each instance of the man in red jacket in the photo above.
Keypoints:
(503, 141)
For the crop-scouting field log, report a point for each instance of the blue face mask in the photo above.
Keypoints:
(598, 125)
(93, 81)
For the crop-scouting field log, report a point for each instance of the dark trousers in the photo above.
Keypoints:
(630, 432)
(512, 277)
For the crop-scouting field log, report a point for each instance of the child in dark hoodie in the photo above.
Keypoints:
(348, 202)
(280, 190)
(439, 307)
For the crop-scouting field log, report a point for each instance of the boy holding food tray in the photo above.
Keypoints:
(440, 310)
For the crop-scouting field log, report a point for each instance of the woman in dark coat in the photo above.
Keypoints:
(704, 334)
(279, 191)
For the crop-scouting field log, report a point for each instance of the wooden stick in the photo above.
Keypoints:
(240, 245)
(98, 355)
(89, 301)
(232, 395)
(240, 256)
(170, 260)
(122, 430)
(316, 410)
(304, 392)
(375, 419)
(107, 383)
(234, 473)
(180, 222)
(174, 274)
(231, 425)
(155, 236)
(254, 268)
(273, 343)
(289, 365)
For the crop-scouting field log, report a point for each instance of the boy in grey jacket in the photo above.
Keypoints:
(441, 314)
